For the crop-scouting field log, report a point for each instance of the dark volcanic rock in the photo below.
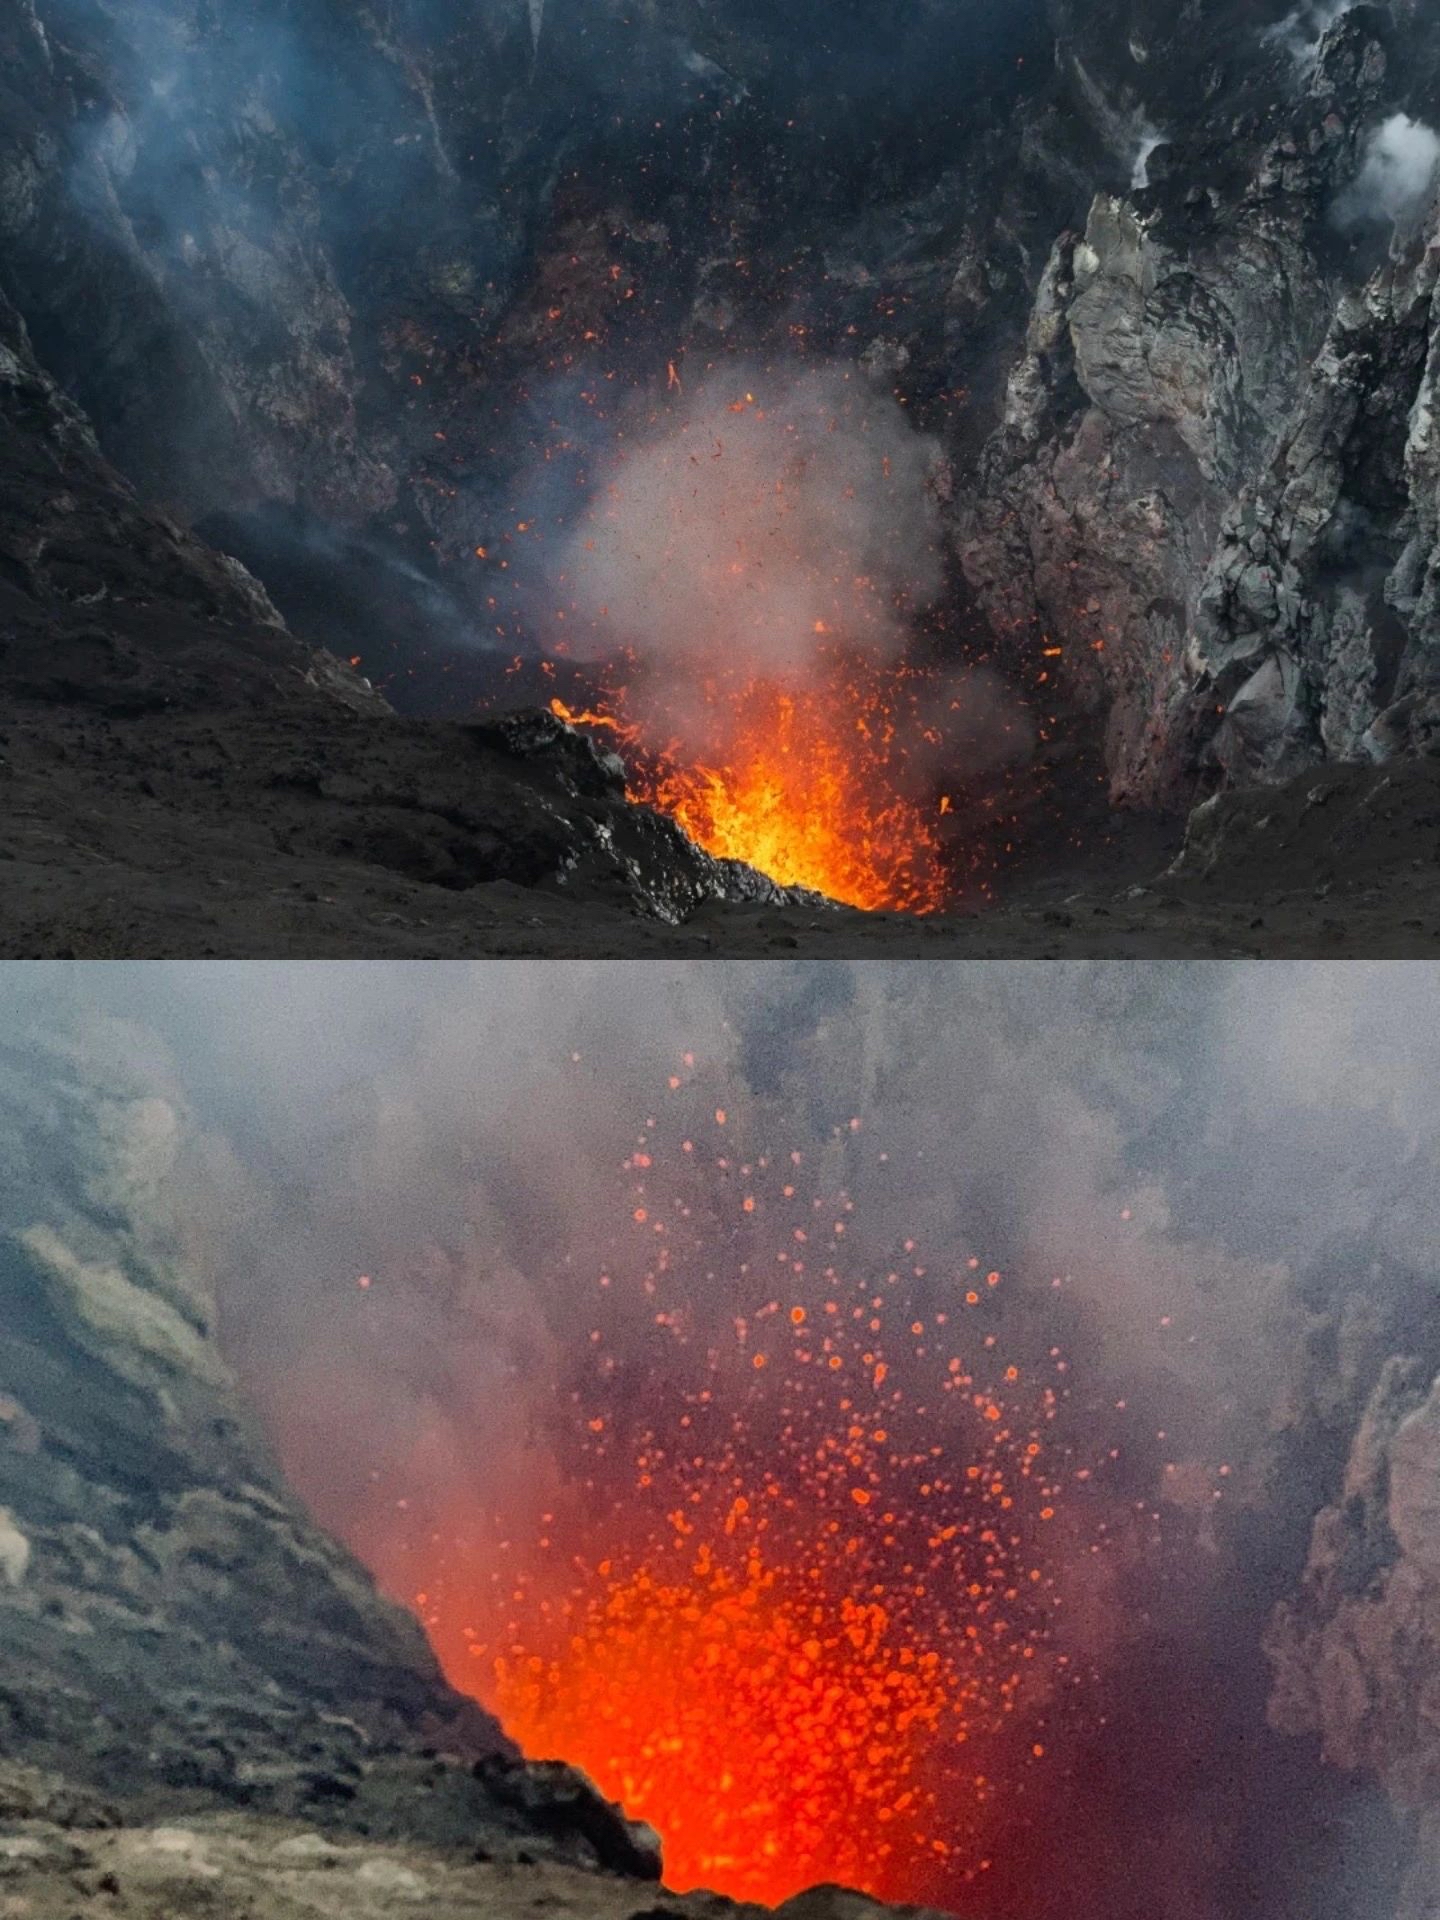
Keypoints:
(338, 285)
(87, 574)
(555, 1797)
(171, 1618)
(178, 1634)
(536, 734)
(112, 616)
(1212, 485)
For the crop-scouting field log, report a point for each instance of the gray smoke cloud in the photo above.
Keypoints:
(762, 513)
(1173, 1141)
(398, 1180)
(1397, 178)
(759, 520)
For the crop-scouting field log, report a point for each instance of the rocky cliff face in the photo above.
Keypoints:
(348, 266)
(180, 1639)
(1211, 488)
(1354, 1650)
(111, 603)
(171, 1617)
(1357, 1652)
(345, 268)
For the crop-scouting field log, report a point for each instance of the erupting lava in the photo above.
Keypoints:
(806, 783)
(759, 558)
(795, 1602)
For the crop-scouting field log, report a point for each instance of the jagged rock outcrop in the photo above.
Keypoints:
(1211, 493)
(1356, 1653)
(88, 574)
(1316, 620)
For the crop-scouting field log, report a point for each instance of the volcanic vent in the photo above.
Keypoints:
(791, 1594)
(748, 590)
(917, 1440)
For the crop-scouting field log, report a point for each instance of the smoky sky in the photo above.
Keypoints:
(1209, 1159)
(371, 1117)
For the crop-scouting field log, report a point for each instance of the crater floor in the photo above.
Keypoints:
(60, 1855)
(318, 831)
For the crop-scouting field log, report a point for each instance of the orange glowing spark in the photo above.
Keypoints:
(587, 717)
(806, 785)
(784, 1605)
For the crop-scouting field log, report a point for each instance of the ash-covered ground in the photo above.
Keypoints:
(1088, 352)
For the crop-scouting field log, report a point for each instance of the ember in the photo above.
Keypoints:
(794, 1605)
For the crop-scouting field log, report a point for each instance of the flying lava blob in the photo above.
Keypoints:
(795, 1601)
(808, 782)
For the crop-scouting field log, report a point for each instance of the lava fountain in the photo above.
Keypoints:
(747, 586)
(807, 781)
(792, 1594)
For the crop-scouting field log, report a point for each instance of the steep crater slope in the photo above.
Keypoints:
(173, 1622)
(181, 1641)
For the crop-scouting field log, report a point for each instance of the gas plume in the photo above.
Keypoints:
(1397, 179)
(763, 513)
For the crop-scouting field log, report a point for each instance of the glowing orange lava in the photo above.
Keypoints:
(809, 783)
(791, 1596)
(744, 1710)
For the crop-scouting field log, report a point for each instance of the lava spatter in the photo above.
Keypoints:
(795, 1606)
(809, 782)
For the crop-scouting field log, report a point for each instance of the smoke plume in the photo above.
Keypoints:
(1396, 182)
(763, 514)
(1302, 32)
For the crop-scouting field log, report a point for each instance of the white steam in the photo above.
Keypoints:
(1148, 140)
(1302, 32)
(1398, 177)
(759, 520)
(1126, 128)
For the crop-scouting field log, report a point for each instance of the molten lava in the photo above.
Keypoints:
(814, 783)
(791, 1594)
(749, 1712)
